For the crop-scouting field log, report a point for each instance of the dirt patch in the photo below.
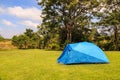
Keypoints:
(6, 45)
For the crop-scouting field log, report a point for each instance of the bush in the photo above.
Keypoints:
(1, 38)
(53, 46)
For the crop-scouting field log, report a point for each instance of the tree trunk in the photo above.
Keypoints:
(70, 36)
(25, 44)
(69, 33)
(116, 37)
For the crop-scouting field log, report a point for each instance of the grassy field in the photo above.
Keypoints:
(42, 65)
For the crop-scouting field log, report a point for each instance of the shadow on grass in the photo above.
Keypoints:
(85, 64)
(52, 50)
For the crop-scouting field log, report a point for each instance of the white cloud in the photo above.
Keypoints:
(9, 33)
(8, 23)
(38, 0)
(25, 13)
(29, 23)
(1, 10)
(0, 29)
(26, 16)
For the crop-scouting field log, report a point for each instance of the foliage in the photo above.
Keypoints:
(110, 18)
(53, 43)
(42, 65)
(29, 33)
(70, 21)
(113, 20)
(67, 14)
(1, 38)
(27, 40)
(20, 41)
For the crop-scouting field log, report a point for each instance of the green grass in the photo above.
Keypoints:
(42, 65)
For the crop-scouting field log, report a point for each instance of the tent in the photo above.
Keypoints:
(82, 52)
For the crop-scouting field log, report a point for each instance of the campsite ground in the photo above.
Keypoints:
(42, 65)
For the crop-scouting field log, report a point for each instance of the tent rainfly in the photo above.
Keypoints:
(82, 52)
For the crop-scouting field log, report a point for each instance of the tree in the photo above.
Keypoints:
(20, 41)
(34, 41)
(15, 41)
(33, 38)
(44, 35)
(110, 17)
(27, 40)
(29, 33)
(114, 19)
(1, 38)
(69, 14)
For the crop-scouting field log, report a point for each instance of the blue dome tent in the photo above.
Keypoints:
(82, 52)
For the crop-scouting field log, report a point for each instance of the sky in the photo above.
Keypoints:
(17, 15)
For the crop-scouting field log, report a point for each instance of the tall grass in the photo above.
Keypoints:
(42, 65)
(6, 45)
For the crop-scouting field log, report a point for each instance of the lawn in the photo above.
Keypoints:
(42, 65)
